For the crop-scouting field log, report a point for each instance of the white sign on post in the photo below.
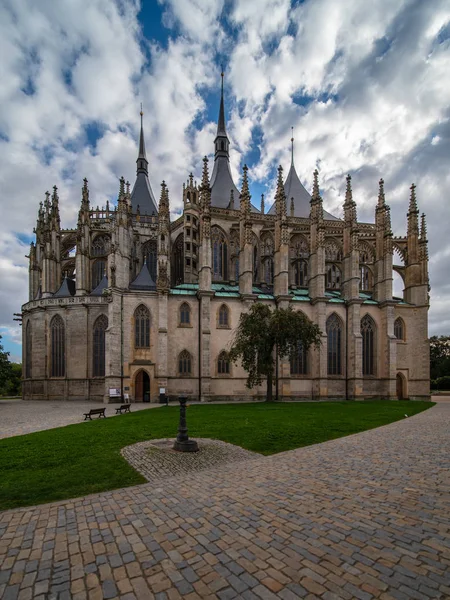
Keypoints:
(114, 392)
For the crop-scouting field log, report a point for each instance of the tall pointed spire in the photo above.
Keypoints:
(142, 194)
(221, 123)
(245, 192)
(221, 179)
(142, 162)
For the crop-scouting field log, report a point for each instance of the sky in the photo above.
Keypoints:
(365, 85)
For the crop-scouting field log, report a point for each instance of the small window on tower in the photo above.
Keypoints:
(188, 246)
(194, 235)
(188, 232)
(188, 262)
(195, 221)
(188, 217)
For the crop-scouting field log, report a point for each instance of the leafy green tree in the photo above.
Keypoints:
(439, 356)
(263, 333)
(5, 366)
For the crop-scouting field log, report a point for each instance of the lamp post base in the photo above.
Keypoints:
(186, 446)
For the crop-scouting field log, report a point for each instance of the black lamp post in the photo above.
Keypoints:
(183, 443)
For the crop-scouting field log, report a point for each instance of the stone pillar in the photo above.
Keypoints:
(354, 350)
(161, 365)
(205, 345)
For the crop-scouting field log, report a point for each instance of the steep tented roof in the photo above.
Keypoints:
(293, 188)
(144, 280)
(101, 286)
(142, 194)
(222, 183)
(67, 288)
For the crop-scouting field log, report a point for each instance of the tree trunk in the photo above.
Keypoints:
(269, 397)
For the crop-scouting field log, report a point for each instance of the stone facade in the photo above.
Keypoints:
(132, 301)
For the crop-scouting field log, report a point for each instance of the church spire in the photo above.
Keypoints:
(142, 194)
(221, 143)
(292, 147)
(142, 162)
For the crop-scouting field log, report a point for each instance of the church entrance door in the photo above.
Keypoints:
(142, 387)
(400, 391)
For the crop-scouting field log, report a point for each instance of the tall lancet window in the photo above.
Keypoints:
(98, 271)
(333, 258)
(219, 255)
(334, 335)
(234, 251)
(142, 327)
(150, 253)
(28, 350)
(98, 346)
(178, 261)
(299, 361)
(58, 347)
(299, 256)
(267, 251)
(368, 332)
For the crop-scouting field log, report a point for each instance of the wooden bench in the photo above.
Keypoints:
(95, 411)
(123, 408)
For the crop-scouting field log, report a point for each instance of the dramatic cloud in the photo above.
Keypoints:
(364, 86)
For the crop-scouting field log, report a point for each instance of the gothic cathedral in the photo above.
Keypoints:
(130, 302)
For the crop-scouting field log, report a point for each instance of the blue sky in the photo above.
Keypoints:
(365, 87)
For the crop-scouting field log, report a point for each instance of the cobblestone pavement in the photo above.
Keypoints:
(365, 516)
(157, 460)
(18, 417)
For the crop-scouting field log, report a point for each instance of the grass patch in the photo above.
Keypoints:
(81, 459)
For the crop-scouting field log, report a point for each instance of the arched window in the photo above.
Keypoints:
(184, 363)
(219, 255)
(333, 281)
(267, 253)
(185, 314)
(149, 254)
(299, 361)
(368, 332)
(58, 347)
(334, 335)
(234, 252)
(98, 346)
(223, 364)
(224, 317)
(98, 271)
(301, 273)
(28, 350)
(178, 261)
(365, 279)
(255, 261)
(299, 256)
(142, 327)
(101, 245)
(399, 328)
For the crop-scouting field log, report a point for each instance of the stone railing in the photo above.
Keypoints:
(66, 301)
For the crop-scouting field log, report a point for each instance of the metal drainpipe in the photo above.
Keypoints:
(199, 349)
(121, 347)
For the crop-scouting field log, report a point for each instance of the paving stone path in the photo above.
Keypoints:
(19, 417)
(157, 460)
(367, 516)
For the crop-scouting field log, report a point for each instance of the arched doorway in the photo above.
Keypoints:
(401, 395)
(142, 387)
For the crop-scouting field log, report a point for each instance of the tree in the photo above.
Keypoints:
(263, 333)
(5, 366)
(439, 356)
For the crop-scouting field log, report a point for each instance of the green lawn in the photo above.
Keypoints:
(85, 458)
